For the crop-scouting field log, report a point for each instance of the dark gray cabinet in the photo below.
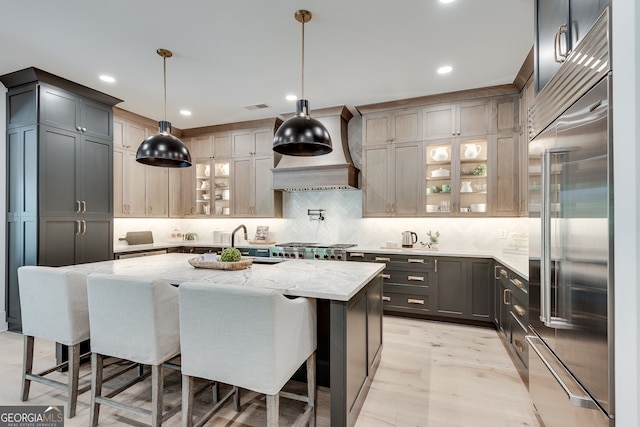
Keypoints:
(430, 287)
(59, 175)
(464, 288)
(511, 315)
(560, 25)
(407, 280)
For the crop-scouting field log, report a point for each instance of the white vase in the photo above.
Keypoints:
(207, 170)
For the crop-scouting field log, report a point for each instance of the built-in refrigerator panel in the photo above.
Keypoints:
(570, 265)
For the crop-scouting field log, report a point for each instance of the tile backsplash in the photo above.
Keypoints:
(343, 223)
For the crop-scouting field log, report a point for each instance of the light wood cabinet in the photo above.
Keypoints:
(139, 190)
(506, 197)
(457, 177)
(392, 183)
(234, 179)
(470, 156)
(396, 126)
(460, 119)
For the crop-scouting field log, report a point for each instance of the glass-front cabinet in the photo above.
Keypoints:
(213, 189)
(456, 177)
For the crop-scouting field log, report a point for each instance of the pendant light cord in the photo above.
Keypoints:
(303, 59)
(164, 61)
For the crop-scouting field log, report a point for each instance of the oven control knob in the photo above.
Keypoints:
(339, 257)
(317, 256)
(333, 256)
(281, 254)
(326, 256)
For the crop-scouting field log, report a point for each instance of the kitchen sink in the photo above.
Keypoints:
(268, 260)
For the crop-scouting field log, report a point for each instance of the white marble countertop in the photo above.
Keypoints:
(331, 280)
(517, 262)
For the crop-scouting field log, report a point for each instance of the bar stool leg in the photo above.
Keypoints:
(27, 366)
(96, 387)
(157, 384)
(273, 409)
(74, 373)
(187, 400)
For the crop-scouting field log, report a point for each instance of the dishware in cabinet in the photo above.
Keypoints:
(456, 177)
(472, 173)
(212, 187)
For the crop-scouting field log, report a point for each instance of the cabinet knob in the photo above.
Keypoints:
(84, 129)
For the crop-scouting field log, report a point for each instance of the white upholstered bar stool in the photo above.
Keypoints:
(247, 337)
(135, 319)
(53, 303)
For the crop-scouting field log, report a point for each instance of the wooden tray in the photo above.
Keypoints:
(199, 262)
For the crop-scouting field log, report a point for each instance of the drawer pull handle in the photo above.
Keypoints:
(518, 346)
(386, 276)
(386, 298)
(415, 301)
(380, 258)
(415, 260)
(519, 310)
(416, 278)
(357, 254)
(504, 297)
(263, 251)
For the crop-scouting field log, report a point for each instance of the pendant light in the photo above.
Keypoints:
(302, 135)
(164, 149)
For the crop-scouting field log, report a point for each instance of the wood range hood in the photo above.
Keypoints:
(333, 171)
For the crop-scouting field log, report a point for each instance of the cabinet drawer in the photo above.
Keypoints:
(520, 309)
(520, 346)
(397, 261)
(410, 290)
(415, 278)
(405, 302)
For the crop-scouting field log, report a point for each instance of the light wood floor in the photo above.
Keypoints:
(431, 374)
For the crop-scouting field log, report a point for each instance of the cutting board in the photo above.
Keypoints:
(138, 238)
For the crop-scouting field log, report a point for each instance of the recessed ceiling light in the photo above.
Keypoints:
(291, 97)
(107, 79)
(185, 112)
(447, 1)
(445, 69)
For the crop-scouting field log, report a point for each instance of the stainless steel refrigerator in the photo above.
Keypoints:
(571, 375)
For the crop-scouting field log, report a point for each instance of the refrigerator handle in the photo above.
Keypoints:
(582, 400)
(545, 239)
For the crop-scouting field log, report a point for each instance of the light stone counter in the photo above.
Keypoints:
(517, 262)
(331, 280)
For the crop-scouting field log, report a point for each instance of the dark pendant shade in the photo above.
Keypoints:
(163, 149)
(302, 135)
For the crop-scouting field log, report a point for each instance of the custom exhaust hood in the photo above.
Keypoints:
(332, 171)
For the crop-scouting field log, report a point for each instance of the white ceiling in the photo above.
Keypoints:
(229, 54)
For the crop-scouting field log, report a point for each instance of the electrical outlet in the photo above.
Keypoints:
(502, 233)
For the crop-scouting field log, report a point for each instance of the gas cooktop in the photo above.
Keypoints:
(315, 245)
(305, 250)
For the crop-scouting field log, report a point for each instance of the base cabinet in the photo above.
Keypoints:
(464, 288)
(435, 287)
(511, 315)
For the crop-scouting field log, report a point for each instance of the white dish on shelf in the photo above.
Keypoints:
(439, 173)
(206, 196)
(478, 207)
(432, 208)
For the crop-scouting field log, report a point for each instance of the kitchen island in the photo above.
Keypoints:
(349, 307)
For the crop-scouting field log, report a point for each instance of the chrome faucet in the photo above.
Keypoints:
(233, 234)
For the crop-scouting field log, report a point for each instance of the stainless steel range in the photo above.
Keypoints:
(301, 250)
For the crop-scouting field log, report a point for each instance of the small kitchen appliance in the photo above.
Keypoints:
(409, 238)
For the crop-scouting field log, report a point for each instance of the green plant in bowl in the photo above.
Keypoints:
(480, 170)
(230, 255)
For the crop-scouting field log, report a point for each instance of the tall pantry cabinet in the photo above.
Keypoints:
(59, 175)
